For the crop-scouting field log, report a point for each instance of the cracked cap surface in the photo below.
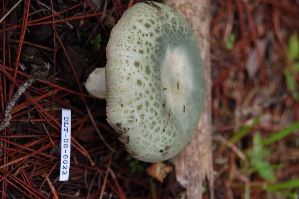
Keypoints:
(155, 82)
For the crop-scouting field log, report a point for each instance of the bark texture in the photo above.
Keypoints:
(194, 164)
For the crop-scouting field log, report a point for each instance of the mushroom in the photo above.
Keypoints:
(155, 81)
(95, 84)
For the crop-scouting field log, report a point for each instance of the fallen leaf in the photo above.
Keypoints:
(159, 171)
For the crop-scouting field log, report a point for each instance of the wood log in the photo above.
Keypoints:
(194, 164)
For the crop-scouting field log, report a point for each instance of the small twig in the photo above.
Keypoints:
(89, 188)
(105, 178)
(83, 151)
(1, 149)
(7, 115)
(98, 131)
(234, 148)
(59, 16)
(52, 188)
(10, 11)
(49, 135)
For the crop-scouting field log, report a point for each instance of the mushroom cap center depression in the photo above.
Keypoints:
(155, 83)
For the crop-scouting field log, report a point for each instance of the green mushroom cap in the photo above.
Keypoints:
(155, 82)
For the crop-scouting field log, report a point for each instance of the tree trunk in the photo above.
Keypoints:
(194, 164)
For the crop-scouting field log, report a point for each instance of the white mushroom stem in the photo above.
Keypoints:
(95, 83)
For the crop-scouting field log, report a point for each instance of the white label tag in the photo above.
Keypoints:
(65, 145)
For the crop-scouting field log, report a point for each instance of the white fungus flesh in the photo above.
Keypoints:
(155, 82)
